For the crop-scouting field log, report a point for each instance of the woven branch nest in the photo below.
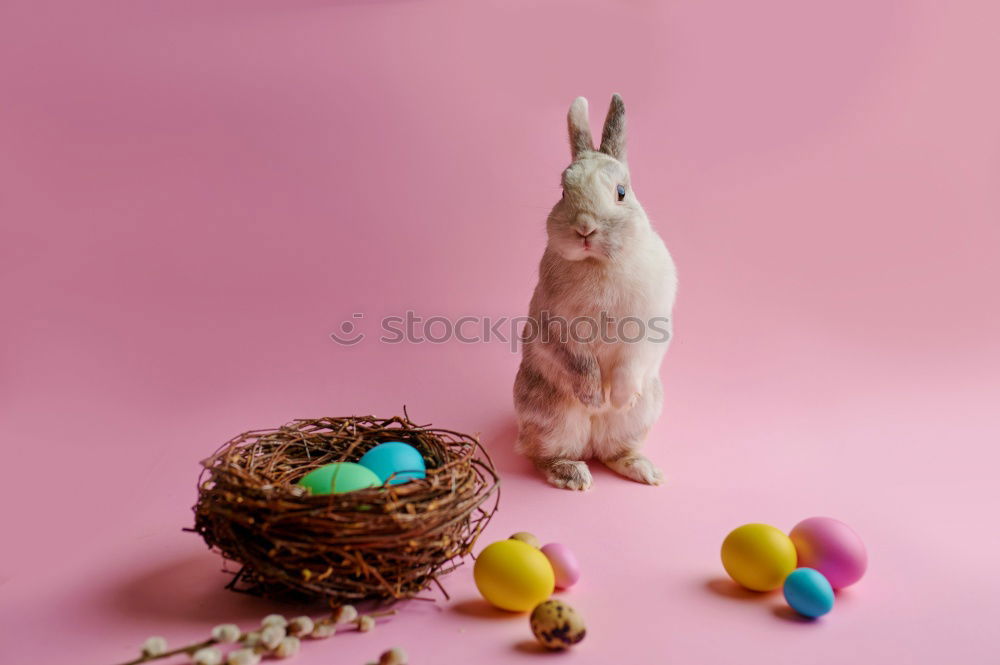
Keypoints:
(380, 544)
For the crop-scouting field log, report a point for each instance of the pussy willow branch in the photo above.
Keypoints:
(191, 648)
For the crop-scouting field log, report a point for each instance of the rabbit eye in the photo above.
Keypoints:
(621, 192)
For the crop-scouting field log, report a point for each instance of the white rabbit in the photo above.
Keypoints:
(589, 383)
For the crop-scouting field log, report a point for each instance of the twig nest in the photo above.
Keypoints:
(207, 656)
(557, 625)
(382, 543)
(154, 646)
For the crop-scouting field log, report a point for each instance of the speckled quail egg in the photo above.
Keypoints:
(557, 625)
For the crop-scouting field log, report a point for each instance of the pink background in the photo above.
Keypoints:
(193, 194)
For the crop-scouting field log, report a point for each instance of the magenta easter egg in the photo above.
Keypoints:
(564, 564)
(832, 548)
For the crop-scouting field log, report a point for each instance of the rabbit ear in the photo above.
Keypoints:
(580, 139)
(613, 136)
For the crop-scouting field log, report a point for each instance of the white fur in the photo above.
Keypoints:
(576, 400)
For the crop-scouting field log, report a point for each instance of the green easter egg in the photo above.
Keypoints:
(338, 478)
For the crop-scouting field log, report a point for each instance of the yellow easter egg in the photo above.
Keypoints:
(513, 575)
(758, 556)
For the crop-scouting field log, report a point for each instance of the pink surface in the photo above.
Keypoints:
(194, 194)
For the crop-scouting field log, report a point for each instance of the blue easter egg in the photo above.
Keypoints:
(808, 592)
(395, 459)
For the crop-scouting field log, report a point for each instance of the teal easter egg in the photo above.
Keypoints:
(808, 592)
(338, 478)
(395, 459)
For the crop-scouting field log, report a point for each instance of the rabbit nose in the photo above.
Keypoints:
(585, 224)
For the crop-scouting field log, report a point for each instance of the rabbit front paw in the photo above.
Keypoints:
(637, 468)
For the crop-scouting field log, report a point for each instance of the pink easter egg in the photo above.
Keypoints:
(564, 564)
(832, 548)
